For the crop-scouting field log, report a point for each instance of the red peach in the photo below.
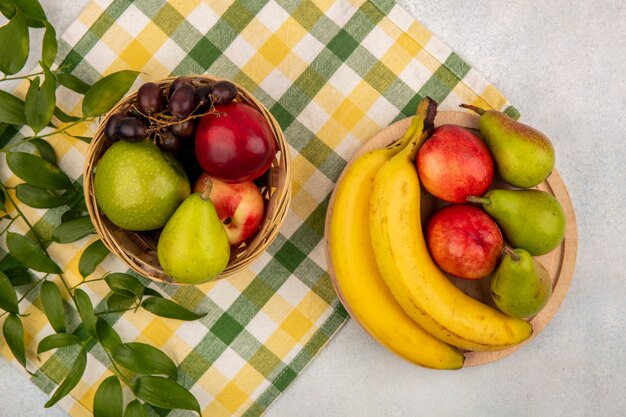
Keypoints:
(464, 241)
(454, 163)
(239, 206)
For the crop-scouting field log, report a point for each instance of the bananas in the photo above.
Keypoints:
(357, 275)
(417, 284)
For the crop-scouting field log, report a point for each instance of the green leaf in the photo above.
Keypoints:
(107, 335)
(11, 109)
(85, 310)
(14, 44)
(165, 393)
(72, 215)
(8, 297)
(125, 284)
(55, 341)
(64, 117)
(135, 409)
(46, 151)
(73, 230)
(30, 254)
(19, 276)
(14, 335)
(3, 200)
(117, 302)
(169, 309)
(72, 378)
(108, 401)
(7, 8)
(53, 306)
(150, 291)
(91, 258)
(85, 139)
(73, 83)
(144, 359)
(35, 16)
(38, 198)
(107, 91)
(37, 171)
(49, 45)
(40, 101)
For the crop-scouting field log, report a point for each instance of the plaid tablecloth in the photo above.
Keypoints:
(333, 73)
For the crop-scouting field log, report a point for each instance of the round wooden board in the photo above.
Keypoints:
(560, 262)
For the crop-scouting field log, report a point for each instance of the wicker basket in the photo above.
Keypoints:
(139, 249)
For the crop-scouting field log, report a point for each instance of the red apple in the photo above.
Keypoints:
(464, 241)
(235, 144)
(454, 163)
(239, 206)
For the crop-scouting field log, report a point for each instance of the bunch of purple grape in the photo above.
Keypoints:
(167, 115)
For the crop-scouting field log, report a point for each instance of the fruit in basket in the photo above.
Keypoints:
(357, 274)
(464, 241)
(149, 98)
(183, 101)
(235, 144)
(454, 163)
(223, 92)
(521, 286)
(419, 286)
(138, 186)
(239, 206)
(532, 220)
(524, 156)
(193, 247)
(132, 129)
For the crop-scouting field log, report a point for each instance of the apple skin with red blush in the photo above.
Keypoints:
(239, 206)
(454, 164)
(464, 241)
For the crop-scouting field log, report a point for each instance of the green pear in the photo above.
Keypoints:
(524, 156)
(138, 186)
(532, 220)
(521, 285)
(193, 247)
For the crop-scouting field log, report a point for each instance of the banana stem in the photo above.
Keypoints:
(425, 116)
(479, 200)
(473, 108)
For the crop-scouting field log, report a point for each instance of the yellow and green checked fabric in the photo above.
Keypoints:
(333, 73)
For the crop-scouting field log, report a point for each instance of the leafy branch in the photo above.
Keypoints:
(28, 266)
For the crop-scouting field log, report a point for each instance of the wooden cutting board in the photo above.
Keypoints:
(560, 262)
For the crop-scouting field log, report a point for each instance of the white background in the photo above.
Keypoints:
(562, 64)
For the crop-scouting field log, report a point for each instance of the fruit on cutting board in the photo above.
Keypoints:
(524, 156)
(521, 286)
(454, 163)
(464, 241)
(415, 281)
(239, 206)
(235, 143)
(532, 220)
(138, 186)
(358, 278)
(193, 247)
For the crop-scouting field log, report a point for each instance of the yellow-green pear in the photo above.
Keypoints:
(523, 156)
(532, 220)
(521, 285)
(193, 247)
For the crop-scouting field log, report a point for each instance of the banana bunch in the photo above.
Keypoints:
(385, 273)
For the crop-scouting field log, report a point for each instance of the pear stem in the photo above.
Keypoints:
(473, 108)
(511, 252)
(479, 200)
(207, 191)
